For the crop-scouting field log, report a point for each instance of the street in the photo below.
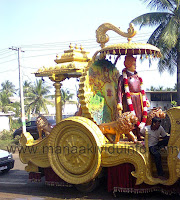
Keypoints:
(15, 186)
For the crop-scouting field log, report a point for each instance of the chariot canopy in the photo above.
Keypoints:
(129, 48)
(70, 65)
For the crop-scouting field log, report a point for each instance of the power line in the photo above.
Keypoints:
(10, 70)
(24, 67)
(44, 45)
(3, 51)
(58, 46)
(79, 41)
(88, 43)
(7, 61)
(27, 76)
(7, 56)
(39, 55)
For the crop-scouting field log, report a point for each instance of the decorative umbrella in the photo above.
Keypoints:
(129, 48)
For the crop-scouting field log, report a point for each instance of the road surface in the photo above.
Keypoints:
(15, 186)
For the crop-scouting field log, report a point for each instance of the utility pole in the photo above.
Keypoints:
(21, 90)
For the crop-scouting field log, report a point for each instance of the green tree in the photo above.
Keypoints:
(168, 89)
(175, 87)
(16, 108)
(8, 88)
(152, 88)
(27, 88)
(160, 88)
(173, 103)
(166, 35)
(4, 102)
(37, 98)
(65, 96)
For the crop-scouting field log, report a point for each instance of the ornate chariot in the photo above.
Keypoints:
(76, 152)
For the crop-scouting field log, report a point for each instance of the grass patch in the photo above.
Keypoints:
(7, 140)
(6, 143)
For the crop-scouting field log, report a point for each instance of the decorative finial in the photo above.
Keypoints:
(76, 47)
(81, 47)
(70, 46)
(103, 38)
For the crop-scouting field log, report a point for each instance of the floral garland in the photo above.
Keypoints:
(129, 100)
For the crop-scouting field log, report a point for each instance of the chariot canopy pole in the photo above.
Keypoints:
(58, 101)
(21, 90)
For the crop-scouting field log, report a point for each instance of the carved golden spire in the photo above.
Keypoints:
(102, 37)
(81, 48)
(70, 46)
(76, 47)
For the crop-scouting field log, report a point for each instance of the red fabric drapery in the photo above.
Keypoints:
(35, 176)
(121, 180)
(120, 176)
(51, 178)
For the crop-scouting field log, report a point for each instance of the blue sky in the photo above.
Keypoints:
(39, 21)
(44, 28)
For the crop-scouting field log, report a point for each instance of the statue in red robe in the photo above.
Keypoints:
(131, 96)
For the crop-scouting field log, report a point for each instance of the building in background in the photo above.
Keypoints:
(161, 99)
(5, 121)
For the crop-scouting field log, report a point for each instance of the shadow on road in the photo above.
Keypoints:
(39, 190)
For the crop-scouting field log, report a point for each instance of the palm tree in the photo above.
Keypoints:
(4, 102)
(7, 90)
(16, 108)
(27, 88)
(36, 99)
(65, 96)
(8, 87)
(166, 36)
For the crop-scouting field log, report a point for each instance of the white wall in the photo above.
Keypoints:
(69, 109)
(4, 123)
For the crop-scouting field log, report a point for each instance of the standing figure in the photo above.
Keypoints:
(131, 96)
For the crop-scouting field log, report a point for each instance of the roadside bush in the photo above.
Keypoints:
(6, 135)
(6, 139)
(173, 103)
(15, 124)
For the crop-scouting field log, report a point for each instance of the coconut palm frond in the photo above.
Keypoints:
(36, 100)
(160, 4)
(151, 19)
(169, 35)
(166, 36)
(8, 87)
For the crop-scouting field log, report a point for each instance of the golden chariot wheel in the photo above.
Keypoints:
(75, 150)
